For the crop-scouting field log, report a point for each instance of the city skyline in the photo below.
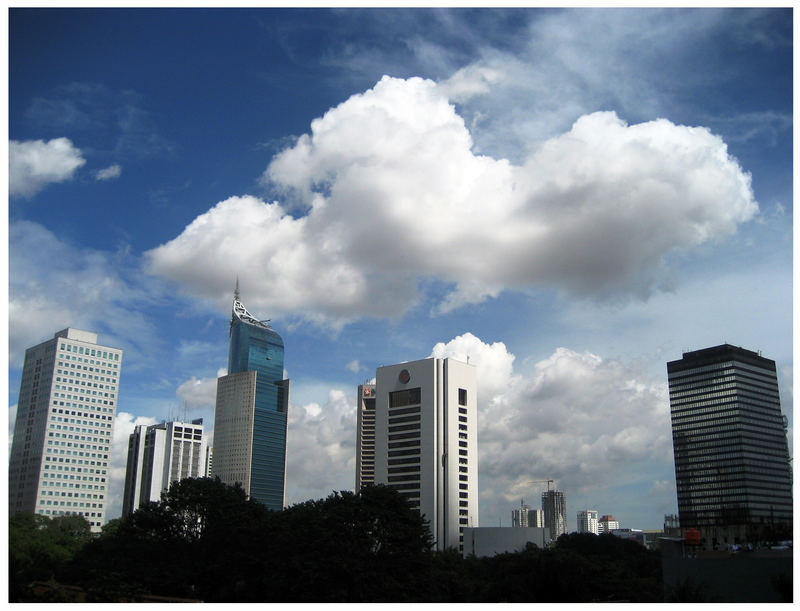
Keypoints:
(568, 197)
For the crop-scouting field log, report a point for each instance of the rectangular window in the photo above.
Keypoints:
(401, 398)
(462, 396)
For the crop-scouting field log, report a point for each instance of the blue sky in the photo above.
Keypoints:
(571, 197)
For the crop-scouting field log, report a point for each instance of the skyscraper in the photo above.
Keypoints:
(64, 427)
(426, 442)
(587, 521)
(365, 435)
(554, 507)
(731, 457)
(160, 454)
(250, 418)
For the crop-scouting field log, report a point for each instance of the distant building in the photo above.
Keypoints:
(59, 463)
(631, 534)
(554, 508)
(731, 456)
(587, 521)
(606, 524)
(209, 460)
(365, 435)
(487, 541)
(426, 444)
(250, 418)
(672, 525)
(525, 517)
(158, 455)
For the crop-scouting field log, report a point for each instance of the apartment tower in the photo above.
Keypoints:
(525, 517)
(587, 521)
(250, 418)
(59, 462)
(426, 442)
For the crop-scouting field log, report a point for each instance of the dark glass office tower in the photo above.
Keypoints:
(251, 411)
(729, 439)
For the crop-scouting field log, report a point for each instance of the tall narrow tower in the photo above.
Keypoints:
(554, 508)
(250, 418)
(365, 436)
(426, 442)
(65, 423)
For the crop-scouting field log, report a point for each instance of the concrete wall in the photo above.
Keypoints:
(493, 540)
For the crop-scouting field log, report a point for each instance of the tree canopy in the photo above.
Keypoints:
(207, 541)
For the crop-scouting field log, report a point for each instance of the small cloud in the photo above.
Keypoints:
(33, 164)
(109, 173)
(353, 366)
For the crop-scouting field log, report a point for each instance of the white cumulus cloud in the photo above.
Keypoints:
(321, 435)
(199, 393)
(394, 194)
(109, 173)
(33, 164)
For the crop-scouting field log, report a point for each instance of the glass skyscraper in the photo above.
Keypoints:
(251, 411)
(731, 456)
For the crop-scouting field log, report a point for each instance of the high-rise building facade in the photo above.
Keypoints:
(426, 442)
(252, 405)
(160, 454)
(525, 517)
(60, 453)
(365, 435)
(729, 441)
(554, 508)
(587, 521)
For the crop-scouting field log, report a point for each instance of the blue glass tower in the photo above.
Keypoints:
(261, 399)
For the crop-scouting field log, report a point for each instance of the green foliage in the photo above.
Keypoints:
(40, 547)
(205, 540)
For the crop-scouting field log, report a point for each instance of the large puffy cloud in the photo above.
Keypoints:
(321, 435)
(493, 362)
(395, 194)
(586, 422)
(33, 164)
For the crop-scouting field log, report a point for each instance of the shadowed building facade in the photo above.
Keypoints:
(250, 419)
(731, 457)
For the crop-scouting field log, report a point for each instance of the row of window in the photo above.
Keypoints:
(65, 347)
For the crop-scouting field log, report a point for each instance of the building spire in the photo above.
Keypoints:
(236, 290)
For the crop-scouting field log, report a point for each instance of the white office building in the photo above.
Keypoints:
(365, 435)
(64, 428)
(587, 521)
(426, 442)
(160, 454)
